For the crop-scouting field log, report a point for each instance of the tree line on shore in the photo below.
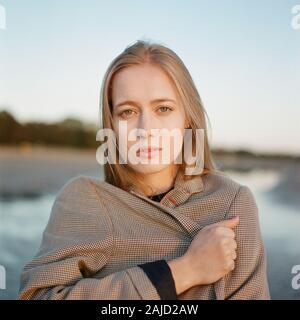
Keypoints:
(68, 132)
(71, 132)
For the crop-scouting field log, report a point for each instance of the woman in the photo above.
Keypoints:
(151, 231)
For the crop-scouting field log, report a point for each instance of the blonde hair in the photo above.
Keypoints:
(139, 53)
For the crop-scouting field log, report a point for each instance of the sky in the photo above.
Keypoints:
(244, 57)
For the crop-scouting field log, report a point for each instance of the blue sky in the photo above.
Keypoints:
(244, 57)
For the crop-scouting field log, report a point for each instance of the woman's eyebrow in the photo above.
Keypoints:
(136, 104)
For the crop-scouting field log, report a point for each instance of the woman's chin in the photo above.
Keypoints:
(149, 168)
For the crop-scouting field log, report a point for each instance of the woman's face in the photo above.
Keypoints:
(144, 98)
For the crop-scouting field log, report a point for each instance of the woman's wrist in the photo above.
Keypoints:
(182, 274)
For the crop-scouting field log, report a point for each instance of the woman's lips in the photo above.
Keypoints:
(148, 152)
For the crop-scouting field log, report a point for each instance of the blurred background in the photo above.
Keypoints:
(244, 57)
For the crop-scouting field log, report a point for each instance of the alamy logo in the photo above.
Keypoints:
(296, 278)
(165, 146)
(2, 277)
(295, 23)
(2, 17)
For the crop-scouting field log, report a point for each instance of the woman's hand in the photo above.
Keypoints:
(209, 257)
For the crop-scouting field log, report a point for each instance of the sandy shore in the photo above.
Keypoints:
(35, 171)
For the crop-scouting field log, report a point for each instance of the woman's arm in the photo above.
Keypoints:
(211, 254)
(160, 274)
(77, 243)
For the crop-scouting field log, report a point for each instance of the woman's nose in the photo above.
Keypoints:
(146, 123)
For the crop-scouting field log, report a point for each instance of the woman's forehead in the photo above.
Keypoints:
(141, 83)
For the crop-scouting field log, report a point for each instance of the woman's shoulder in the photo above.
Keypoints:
(77, 211)
(221, 186)
(80, 187)
(75, 190)
(221, 181)
(78, 196)
(84, 184)
(78, 182)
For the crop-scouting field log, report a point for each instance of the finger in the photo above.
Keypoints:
(227, 232)
(224, 232)
(234, 255)
(232, 265)
(233, 244)
(229, 223)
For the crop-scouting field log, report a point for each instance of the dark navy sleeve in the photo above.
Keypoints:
(161, 276)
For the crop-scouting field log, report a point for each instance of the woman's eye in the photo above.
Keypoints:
(164, 109)
(126, 113)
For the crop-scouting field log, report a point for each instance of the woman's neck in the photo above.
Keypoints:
(161, 181)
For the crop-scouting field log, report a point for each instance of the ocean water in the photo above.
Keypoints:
(23, 220)
(21, 227)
